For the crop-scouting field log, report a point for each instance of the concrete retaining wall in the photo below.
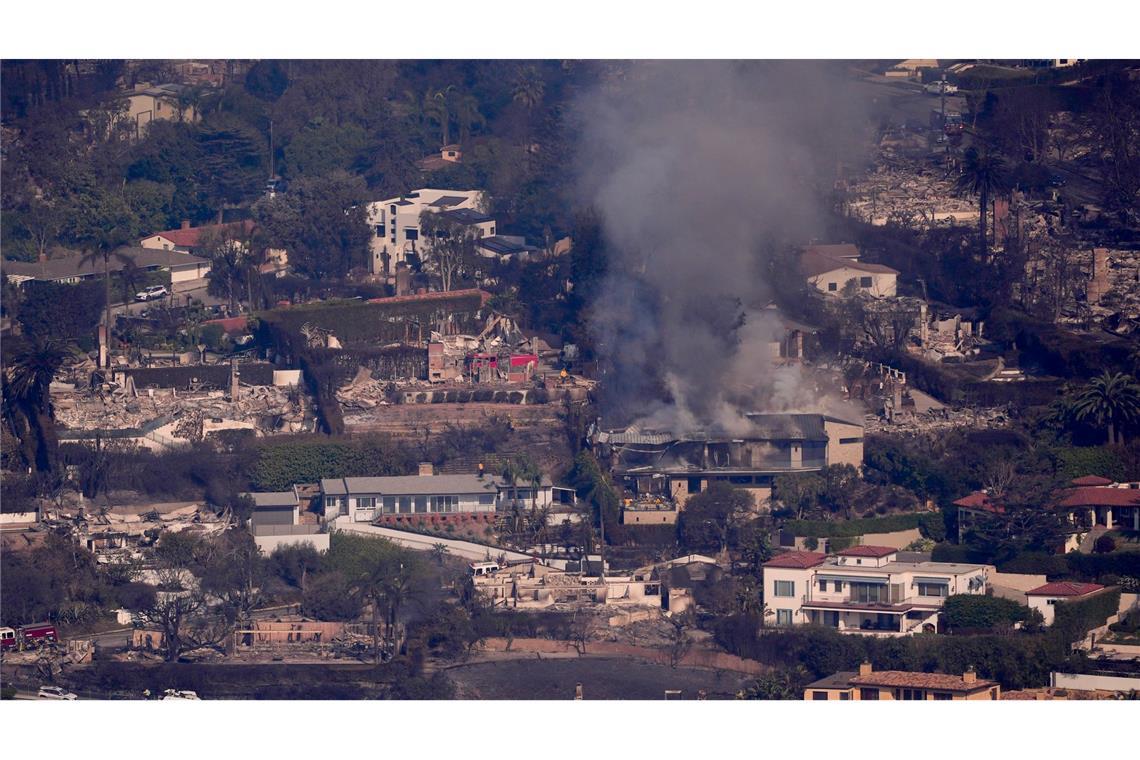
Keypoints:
(267, 544)
(693, 659)
(466, 549)
(1088, 682)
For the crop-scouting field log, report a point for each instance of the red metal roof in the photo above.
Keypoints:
(1091, 480)
(797, 560)
(1100, 496)
(867, 551)
(1064, 588)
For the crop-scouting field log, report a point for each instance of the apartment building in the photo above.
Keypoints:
(395, 223)
(866, 590)
(870, 685)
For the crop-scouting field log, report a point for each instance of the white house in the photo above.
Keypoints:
(831, 267)
(865, 589)
(365, 499)
(276, 521)
(395, 223)
(1045, 598)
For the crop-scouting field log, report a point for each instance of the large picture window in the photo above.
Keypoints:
(785, 588)
(783, 617)
(932, 589)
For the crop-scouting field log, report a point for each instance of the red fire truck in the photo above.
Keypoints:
(28, 636)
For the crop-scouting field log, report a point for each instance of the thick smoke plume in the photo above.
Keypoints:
(700, 172)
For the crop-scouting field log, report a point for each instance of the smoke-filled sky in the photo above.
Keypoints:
(698, 171)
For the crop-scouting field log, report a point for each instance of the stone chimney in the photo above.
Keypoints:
(865, 668)
(970, 676)
(426, 470)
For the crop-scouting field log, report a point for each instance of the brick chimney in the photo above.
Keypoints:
(865, 668)
(185, 224)
(426, 470)
(970, 676)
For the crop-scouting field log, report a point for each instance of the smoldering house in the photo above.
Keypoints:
(663, 468)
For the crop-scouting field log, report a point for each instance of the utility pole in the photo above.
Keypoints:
(942, 94)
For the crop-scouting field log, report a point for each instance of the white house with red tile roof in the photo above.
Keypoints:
(865, 589)
(830, 267)
(187, 239)
(1044, 598)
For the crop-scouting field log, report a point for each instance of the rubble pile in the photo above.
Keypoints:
(935, 420)
(909, 190)
(363, 392)
(179, 415)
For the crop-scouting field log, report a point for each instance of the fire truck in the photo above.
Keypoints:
(28, 636)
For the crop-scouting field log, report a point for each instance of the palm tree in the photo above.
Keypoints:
(27, 377)
(512, 474)
(105, 252)
(983, 175)
(1110, 400)
(528, 88)
(437, 107)
(467, 114)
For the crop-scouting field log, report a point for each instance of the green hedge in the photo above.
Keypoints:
(1075, 619)
(280, 465)
(977, 611)
(1092, 566)
(850, 528)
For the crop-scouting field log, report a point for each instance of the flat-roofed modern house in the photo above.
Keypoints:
(866, 590)
(870, 685)
(660, 464)
(395, 223)
(276, 521)
(365, 499)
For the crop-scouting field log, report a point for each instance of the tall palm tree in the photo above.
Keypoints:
(468, 116)
(983, 176)
(27, 378)
(437, 107)
(528, 88)
(105, 252)
(1109, 400)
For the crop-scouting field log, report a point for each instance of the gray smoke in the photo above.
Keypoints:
(699, 171)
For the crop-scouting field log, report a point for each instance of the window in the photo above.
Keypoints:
(942, 695)
(365, 502)
(405, 504)
(832, 287)
(823, 586)
(783, 617)
(819, 695)
(393, 208)
(740, 480)
(694, 485)
(492, 230)
(785, 588)
(868, 694)
(910, 695)
(486, 499)
(421, 504)
(411, 233)
(865, 282)
(932, 589)
(839, 585)
(380, 230)
(994, 693)
(850, 440)
(448, 503)
(330, 502)
(389, 505)
(844, 696)
(652, 589)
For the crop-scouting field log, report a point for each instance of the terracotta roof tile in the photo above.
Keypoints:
(1091, 480)
(1093, 496)
(868, 551)
(1064, 588)
(913, 680)
(979, 500)
(797, 560)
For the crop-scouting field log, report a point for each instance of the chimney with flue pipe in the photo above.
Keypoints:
(865, 668)
(970, 676)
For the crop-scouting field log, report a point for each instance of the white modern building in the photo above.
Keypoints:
(865, 589)
(395, 223)
(366, 499)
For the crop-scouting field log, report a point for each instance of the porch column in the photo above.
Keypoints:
(1136, 518)
(1108, 516)
(1092, 517)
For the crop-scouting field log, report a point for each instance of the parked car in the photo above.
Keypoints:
(937, 88)
(54, 692)
(154, 291)
(1056, 180)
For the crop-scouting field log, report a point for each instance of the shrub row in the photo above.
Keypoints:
(1075, 619)
(851, 528)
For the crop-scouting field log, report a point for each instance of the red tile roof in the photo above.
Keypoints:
(797, 560)
(189, 237)
(1091, 480)
(979, 500)
(913, 680)
(1064, 588)
(867, 551)
(1100, 496)
(813, 263)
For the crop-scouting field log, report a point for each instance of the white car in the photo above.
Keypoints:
(54, 692)
(178, 694)
(937, 88)
(154, 291)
